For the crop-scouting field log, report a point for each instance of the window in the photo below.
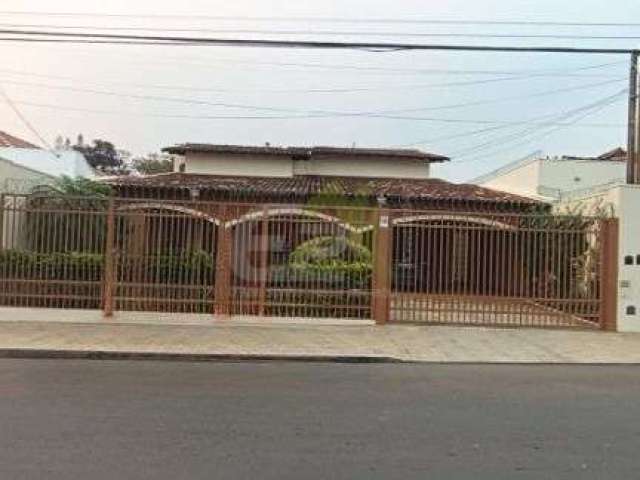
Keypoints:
(631, 310)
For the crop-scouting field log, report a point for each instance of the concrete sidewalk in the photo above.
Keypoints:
(403, 343)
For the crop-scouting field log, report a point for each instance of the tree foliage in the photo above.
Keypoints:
(153, 164)
(103, 156)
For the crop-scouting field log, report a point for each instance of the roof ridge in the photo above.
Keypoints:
(268, 149)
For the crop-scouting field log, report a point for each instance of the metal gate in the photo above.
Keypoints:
(299, 262)
(163, 257)
(497, 270)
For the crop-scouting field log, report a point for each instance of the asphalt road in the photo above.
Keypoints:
(68, 419)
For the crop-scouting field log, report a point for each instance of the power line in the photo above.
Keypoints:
(359, 33)
(553, 72)
(43, 35)
(566, 71)
(344, 20)
(506, 99)
(469, 133)
(24, 119)
(315, 90)
(89, 42)
(256, 117)
(310, 113)
(586, 111)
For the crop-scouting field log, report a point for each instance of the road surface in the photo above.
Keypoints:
(88, 420)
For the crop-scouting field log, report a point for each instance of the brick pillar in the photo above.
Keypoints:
(609, 275)
(381, 282)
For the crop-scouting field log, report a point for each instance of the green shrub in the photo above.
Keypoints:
(322, 251)
(187, 268)
(327, 262)
(51, 266)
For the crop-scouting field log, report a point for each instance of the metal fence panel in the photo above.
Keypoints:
(301, 261)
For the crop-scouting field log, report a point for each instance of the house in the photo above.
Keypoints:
(591, 186)
(549, 178)
(390, 177)
(315, 232)
(262, 210)
(24, 165)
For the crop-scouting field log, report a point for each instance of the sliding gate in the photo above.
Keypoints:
(497, 270)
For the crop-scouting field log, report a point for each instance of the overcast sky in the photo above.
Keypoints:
(143, 98)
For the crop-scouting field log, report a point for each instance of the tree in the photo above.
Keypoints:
(153, 163)
(102, 156)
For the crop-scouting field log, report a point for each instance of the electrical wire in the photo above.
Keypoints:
(470, 133)
(347, 20)
(24, 119)
(502, 124)
(350, 33)
(313, 113)
(289, 91)
(560, 72)
(533, 135)
(380, 47)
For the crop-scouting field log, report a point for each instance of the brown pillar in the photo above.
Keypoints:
(109, 281)
(137, 237)
(2, 207)
(609, 273)
(381, 282)
(223, 291)
(264, 263)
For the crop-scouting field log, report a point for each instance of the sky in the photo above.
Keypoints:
(481, 109)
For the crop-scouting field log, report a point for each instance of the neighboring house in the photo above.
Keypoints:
(549, 178)
(24, 165)
(593, 186)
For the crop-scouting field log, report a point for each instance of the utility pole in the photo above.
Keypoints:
(633, 167)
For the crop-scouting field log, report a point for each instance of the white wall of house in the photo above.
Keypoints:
(285, 166)
(523, 179)
(568, 175)
(15, 178)
(63, 162)
(329, 165)
(549, 178)
(245, 165)
(623, 202)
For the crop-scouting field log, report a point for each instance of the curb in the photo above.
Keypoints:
(24, 353)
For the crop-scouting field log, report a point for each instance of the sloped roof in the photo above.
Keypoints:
(616, 155)
(305, 186)
(7, 140)
(306, 152)
(54, 164)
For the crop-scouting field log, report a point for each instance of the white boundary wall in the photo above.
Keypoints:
(624, 202)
